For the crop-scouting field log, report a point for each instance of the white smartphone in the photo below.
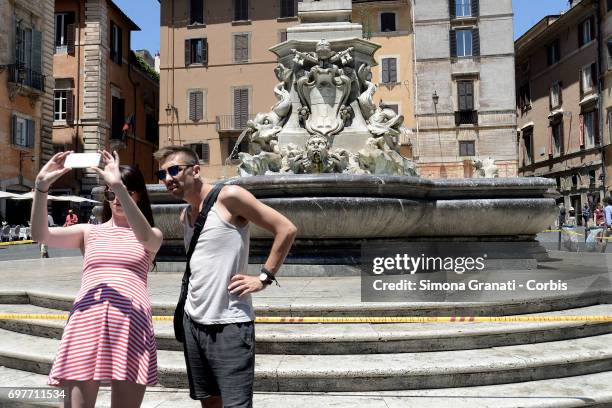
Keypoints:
(82, 160)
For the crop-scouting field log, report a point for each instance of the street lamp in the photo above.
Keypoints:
(435, 97)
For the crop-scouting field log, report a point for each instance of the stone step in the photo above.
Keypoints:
(579, 391)
(363, 338)
(368, 372)
(318, 303)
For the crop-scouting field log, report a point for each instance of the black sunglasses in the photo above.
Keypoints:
(172, 171)
(110, 195)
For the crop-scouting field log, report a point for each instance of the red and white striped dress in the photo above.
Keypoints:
(109, 334)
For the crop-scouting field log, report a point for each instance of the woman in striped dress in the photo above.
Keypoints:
(109, 337)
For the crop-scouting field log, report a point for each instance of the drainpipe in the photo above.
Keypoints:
(415, 149)
(77, 111)
(134, 85)
(600, 89)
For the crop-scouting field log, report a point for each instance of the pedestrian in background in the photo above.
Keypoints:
(598, 215)
(561, 215)
(586, 215)
(71, 218)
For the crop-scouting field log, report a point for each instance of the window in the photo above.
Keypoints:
(196, 12)
(118, 118)
(116, 44)
(282, 35)
(553, 51)
(609, 47)
(467, 148)
(151, 126)
(241, 10)
(527, 146)
(393, 106)
(557, 138)
(586, 31)
(202, 150)
(587, 76)
(387, 22)
(196, 51)
(555, 95)
(589, 130)
(64, 33)
(463, 8)
(59, 110)
(241, 107)
(608, 6)
(466, 115)
(524, 97)
(24, 131)
(389, 71)
(241, 48)
(287, 8)
(196, 105)
(28, 56)
(464, 42)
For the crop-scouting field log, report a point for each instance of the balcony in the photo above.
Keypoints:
(232, 123)
(466, 118)
(22, 76)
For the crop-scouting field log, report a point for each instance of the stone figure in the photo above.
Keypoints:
(324, 89)
(368, 89)
(318, 159)
(385, 122)
(378, 158)
(486, 168)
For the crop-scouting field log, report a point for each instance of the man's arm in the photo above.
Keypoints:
(239, 202)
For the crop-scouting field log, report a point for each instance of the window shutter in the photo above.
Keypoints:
(475, 8)
(192, 106)
(112, 42)
(475, 42)
(594, 78)
(580, 35)
(592, 26)
(187, 52)
(199, 100)
(14, 129)
(241, 107)
(581, 81)
(241, 50)
(69, 107)
(469, 88)
(120, 50)
(392, 70)
(452, 9)
(560, 89)
(385, 70)
(70, 35)
(204, 50)
(31, 133)
(36, 51)
(205, 153)
(461, 94)
(549, 55)
(453, 43)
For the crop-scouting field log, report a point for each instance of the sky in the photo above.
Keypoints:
(145, 13)
(529, 12)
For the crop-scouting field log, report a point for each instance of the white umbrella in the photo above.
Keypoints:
(29, 195)
(6, 194)
(75, 199)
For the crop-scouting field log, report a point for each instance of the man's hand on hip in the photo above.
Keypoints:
(241, 285)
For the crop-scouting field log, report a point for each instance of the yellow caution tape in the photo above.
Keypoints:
(27, 241)
(407, 319)
(576, 233)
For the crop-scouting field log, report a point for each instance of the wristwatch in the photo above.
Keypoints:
(266, 277)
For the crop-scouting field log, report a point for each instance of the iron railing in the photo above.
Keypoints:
(466, 118)
(21, 75)
(232, 123)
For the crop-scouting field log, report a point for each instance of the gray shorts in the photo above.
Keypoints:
(220, 361)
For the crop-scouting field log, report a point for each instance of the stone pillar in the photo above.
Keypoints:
(95, 126)
(48, 47)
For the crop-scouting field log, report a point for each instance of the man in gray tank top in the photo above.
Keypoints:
(219, 341)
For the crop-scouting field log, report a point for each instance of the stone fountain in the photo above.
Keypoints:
(327, 157)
